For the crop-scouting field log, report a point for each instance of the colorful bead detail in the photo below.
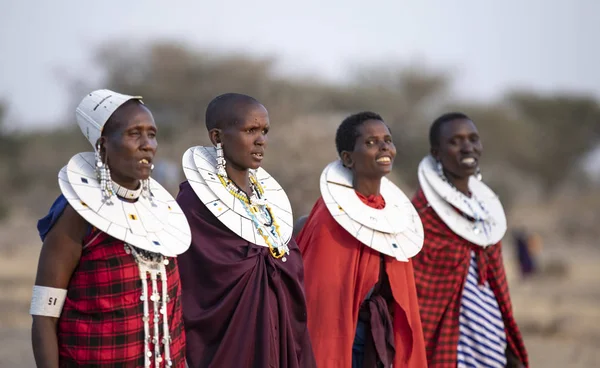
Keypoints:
(255, 206)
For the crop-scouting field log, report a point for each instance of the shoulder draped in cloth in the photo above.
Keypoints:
(440, 272)
(340, 272)
(241, 306)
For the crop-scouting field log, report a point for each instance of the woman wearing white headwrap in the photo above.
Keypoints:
(107, 291)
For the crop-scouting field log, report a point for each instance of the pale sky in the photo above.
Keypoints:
(492, 45)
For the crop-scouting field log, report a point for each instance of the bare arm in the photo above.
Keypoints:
(58, 259)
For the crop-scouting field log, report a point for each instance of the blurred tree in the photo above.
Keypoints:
(178, 82)
(9, 164)
(561, 128)
(529, 140)
(6, 142)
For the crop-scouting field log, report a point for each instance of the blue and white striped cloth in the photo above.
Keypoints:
(482, 338)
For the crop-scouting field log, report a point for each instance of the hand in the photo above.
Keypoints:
(512, 361)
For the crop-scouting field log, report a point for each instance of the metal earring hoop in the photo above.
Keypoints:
(440, 170)
(478, 174)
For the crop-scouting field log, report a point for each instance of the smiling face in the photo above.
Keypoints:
(128, 144)
(244, 141)
(374, 151)
(459, 149)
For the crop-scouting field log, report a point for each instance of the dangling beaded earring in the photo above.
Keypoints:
(221, 161)
(478, 174)
(146, 191)
(103, 174)
(440, 170)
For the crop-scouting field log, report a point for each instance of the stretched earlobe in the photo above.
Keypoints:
(346, 159)
(434, 152)
(215, 136)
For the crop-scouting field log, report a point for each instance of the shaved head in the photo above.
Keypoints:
(228, 109)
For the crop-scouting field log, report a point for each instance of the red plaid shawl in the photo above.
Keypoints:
(101, 322)
(440, 272)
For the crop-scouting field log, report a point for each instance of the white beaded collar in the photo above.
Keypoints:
(483, 205)
(123, 192)
(199, 167)
(395, 230)
(155, 224)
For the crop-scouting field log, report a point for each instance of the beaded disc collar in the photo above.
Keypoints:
(479, 219)
(395, 230)
(199, 166)
(155, 224)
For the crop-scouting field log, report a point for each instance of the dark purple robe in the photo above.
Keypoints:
(241, 306)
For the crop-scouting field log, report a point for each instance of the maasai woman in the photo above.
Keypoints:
(243, 294)
(463, 294)
(107, 291)
(356, 245)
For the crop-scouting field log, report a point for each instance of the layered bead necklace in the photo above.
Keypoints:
(153, 266)
(261, 214)
(485, 221)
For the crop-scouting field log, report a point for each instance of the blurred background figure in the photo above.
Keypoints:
(299, 224)
(533, 91)
(528, 247)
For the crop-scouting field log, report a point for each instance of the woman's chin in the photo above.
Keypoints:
(384, 171)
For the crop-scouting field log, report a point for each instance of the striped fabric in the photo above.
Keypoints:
(441, 270)
(482, 339)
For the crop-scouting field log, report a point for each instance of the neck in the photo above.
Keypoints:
(241, 178)
(461, 184)
(367, 186)
(131, 184)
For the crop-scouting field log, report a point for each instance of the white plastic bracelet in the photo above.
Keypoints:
(47, 301)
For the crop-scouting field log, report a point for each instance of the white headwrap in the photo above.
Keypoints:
(96, 108)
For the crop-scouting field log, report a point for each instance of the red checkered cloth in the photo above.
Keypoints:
(101, 322)
(440, 273)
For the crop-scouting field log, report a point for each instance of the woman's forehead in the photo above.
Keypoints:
(133, 115)
(255, 114)
(143, 118)
(458, 127)
(373, 128)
